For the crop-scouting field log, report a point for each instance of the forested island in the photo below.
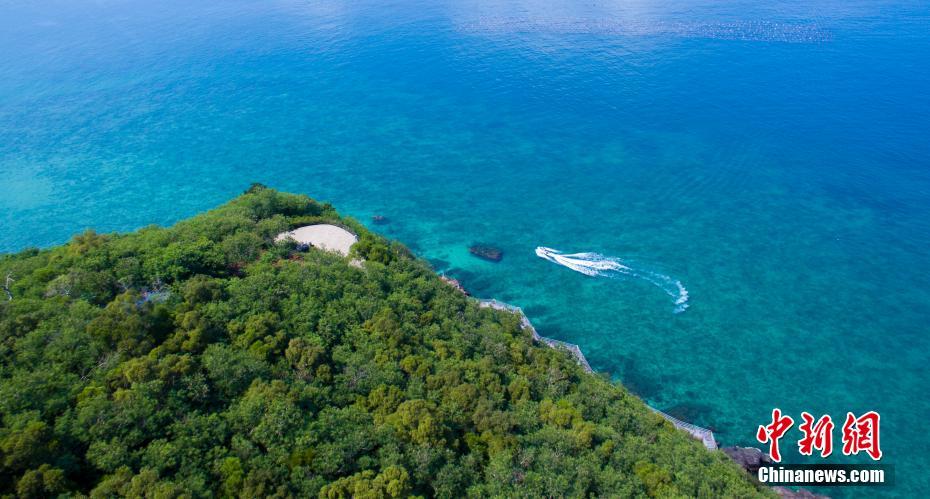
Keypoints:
(206, 360)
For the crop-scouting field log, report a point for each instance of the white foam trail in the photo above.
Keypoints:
(595, 264)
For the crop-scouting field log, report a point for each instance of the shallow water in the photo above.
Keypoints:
(772, 158)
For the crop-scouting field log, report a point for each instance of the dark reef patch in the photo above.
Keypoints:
(537, 310)
(486, 252)
(439, 264)
(693, 413)
(625, 370)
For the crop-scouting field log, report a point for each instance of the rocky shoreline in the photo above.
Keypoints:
(454, 283)
(748, 458)
(751, 459)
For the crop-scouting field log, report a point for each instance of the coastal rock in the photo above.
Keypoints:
(749, 458)
(486, 252)
(454, 283)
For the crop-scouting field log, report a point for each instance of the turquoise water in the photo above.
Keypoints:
(773, 159)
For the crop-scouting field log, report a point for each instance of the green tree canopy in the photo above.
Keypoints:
(206, 360)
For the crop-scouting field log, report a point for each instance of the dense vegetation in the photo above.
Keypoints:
(206, 360)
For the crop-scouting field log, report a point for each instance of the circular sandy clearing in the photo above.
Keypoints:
(323, 236)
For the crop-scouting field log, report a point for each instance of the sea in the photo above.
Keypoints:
(725, 204)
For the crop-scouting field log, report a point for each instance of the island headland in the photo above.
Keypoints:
(215, 358)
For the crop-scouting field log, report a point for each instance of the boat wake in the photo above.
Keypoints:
(597, 265)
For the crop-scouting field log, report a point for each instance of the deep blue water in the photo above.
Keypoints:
(773, 157)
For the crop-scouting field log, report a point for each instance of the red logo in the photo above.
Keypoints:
(859, 434)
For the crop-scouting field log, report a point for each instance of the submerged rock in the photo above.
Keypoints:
(486, 252)
(379, 219)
